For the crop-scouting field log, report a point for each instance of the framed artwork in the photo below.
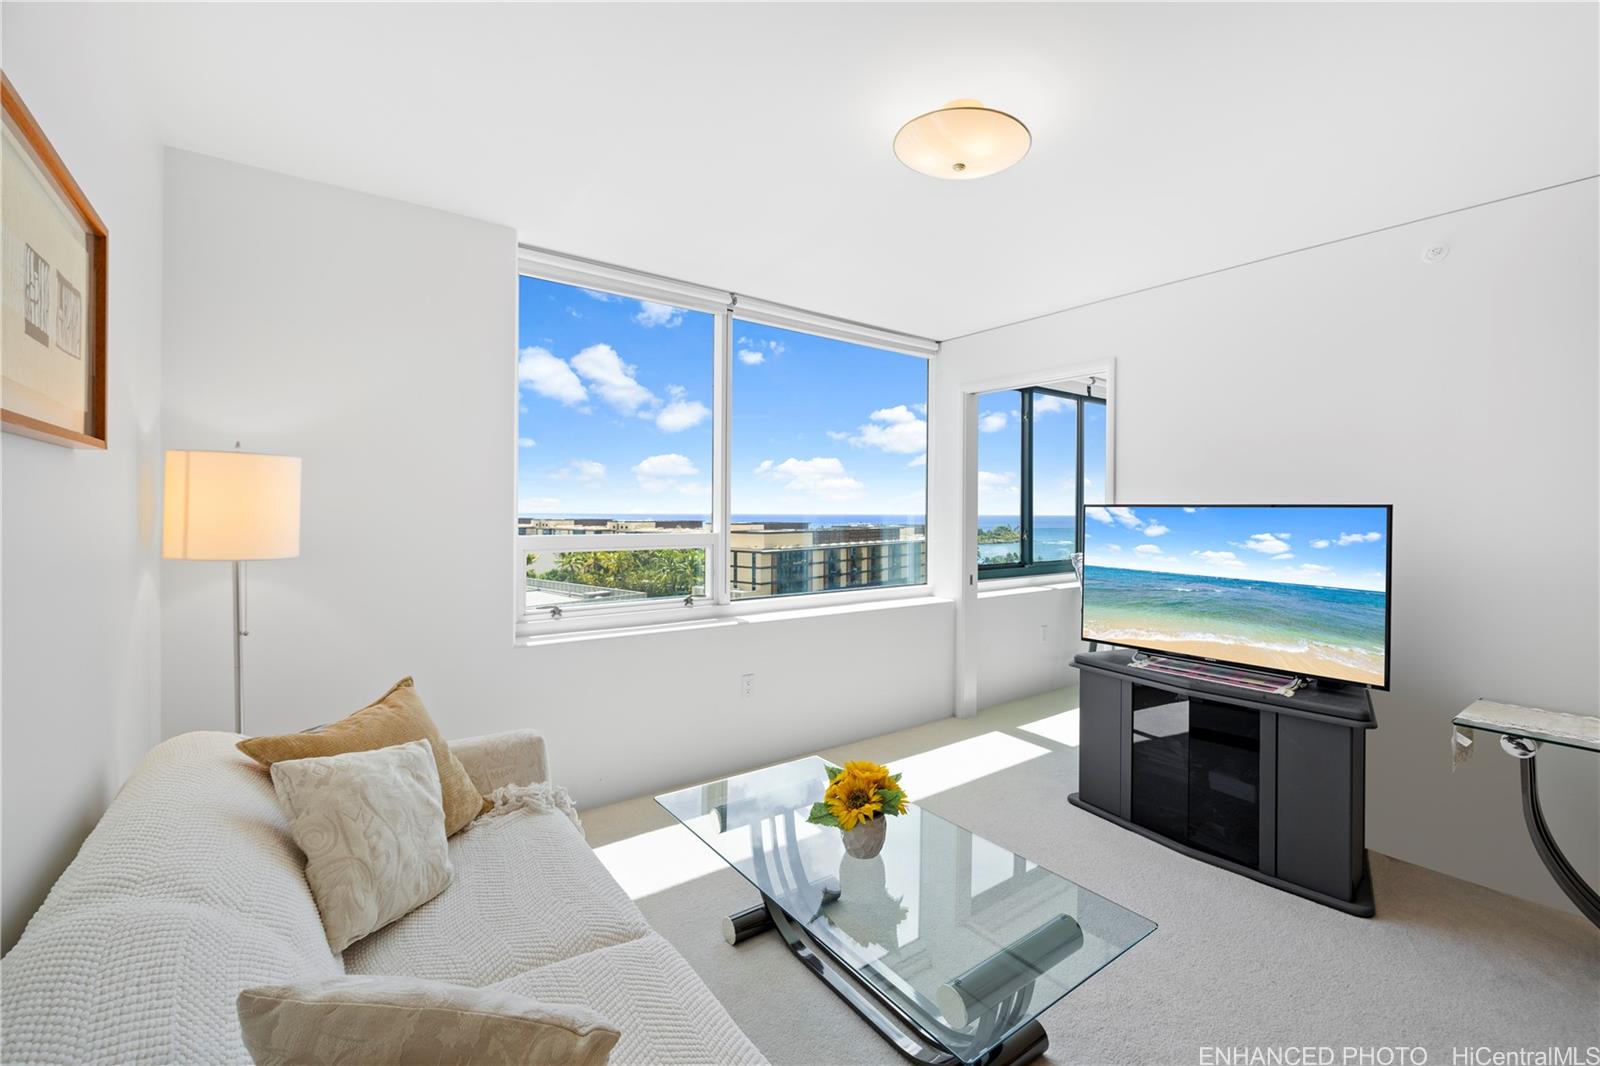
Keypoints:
(52, 292)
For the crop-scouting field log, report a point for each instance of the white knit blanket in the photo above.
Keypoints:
(541, 797)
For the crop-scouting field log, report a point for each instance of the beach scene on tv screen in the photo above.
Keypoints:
(1296, 589)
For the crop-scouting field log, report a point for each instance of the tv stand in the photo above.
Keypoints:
(1266, 784)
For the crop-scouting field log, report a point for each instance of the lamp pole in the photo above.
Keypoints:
(240, 631)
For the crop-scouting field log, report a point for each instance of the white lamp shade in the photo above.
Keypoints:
(961, 141)
(231, 506)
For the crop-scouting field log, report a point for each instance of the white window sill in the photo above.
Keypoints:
(749, 612)
(1008, 586)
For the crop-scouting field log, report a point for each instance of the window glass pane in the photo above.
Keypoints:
(1055, 476)
(1094, 453)
(829, 464)
(1000, 478)
(614, 424)
(575, 578)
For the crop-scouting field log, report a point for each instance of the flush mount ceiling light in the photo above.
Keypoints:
(961, 140)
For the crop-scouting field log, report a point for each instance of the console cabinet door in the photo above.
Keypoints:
(1102, 738)
(1319, 778)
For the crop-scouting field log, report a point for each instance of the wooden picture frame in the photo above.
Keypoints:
(52, 308)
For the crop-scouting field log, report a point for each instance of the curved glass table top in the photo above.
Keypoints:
(968, 939)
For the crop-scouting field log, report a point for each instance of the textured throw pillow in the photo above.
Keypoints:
(397, 717)
(408, 1020)
(373, 833)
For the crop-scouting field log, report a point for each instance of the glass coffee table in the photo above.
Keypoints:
(947, 944)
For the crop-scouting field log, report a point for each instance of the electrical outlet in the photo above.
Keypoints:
(747, 685)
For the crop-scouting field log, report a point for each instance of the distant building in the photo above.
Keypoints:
(766, 558)
(528, 527)
(786, 558)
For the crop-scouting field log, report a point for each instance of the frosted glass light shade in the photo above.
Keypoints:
(231, 506)
(962, 140)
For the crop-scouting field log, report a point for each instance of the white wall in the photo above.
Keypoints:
(378, 340)
(81, 625)
(1026, 638)
(1464, 393)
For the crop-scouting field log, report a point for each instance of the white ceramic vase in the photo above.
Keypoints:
(866, 839)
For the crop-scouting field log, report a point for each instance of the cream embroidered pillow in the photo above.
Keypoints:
(372, 1019)
(372, 828)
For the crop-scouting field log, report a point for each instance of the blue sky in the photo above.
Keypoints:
(1054, 439)
(1341, 547)
(615, 414)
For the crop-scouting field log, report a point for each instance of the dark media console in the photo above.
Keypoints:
(1265, 785)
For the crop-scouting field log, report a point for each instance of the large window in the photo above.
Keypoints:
(1041, 458)
(684, 456)
(830, 459)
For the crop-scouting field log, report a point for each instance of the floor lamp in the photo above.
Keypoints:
(232, 507)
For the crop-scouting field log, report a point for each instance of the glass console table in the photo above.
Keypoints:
(949, 945)
(1522, 731)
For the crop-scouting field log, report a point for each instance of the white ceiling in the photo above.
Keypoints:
(747, 146)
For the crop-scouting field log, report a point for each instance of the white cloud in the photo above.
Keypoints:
(602, 367)
(653, 314)
(750, 350)
(1266, 543)
(655, 473)
(1320, 543)
(1310, 568)
(998, 493)
(603, 297)
(988, 481)
(1113, 547)
(549, 376)
(526, 442)
(1189, 510)
(581, 470)
(895, 414)
(1358, 538)
(1099, 514)
(1148, 549)
(1227, 559)
(1046, 404)
(838, 434)
(535, 504)
(1155, 529)
(669, 465)
(1285, 555)
(893, 429)
(1126, 517)
(681, 414)
(823, 476)
(921, 460)
(993, 422)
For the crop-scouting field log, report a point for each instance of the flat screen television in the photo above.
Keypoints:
(1290, 588)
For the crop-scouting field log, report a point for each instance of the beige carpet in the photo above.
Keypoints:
(1445, 965)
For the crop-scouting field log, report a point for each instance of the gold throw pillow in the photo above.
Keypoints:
(397, 717)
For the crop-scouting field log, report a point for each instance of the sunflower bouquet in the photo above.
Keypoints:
(858, 792)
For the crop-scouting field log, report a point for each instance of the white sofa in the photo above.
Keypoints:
(191, 889)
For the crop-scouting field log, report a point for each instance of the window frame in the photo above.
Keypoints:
(1028, 567)
(725, 307)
